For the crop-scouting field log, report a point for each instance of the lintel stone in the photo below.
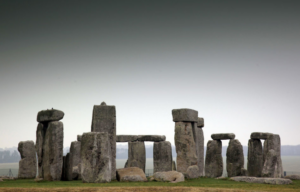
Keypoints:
(185, 115)
(223, 136)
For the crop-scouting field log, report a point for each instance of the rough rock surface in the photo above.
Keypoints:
(173, 166)
(68, 167)
(255, 158)
(213, 159)
(192, 172)
(272, 165)
(223, 136)
(40, 135)
(131, 174)
(293, 177)
(137, 155)
(64, 170)
(75, 158)
(126, 138)
(79, 137)
(53, 151)
(154, 138)
(104, 120)
(95, 157)
(200, 122)
(234, 158)
(259, 135)
(199, 141)
(274, 181)
(49, 115)
(185, 146)
(162, 156)
(185, 115)
(172, 176)
(27, 164)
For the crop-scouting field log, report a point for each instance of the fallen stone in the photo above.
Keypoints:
(273, 181)
(192, 172)
(95, 157)
(185, 146)
(154, 138)
(1, 180)
(259, 135)
(162, 156)
(234, 158)
(53, 151)
(127, 138)
(75, 158)
(27, 164)
(199, 141)
(131, 174)
(200, 122)
(79, 137)
(173, 166)
(137, 155)
(40, 135)
(213, 159)
(49, 115)
(185, 115)
(255, 158)
(104, 120)
(172, 176)
(223, 136)
(292, 177)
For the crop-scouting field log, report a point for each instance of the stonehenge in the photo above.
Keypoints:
(234, 158)
(137, 155)
(162, 156)
(27, 164)
(214, 159)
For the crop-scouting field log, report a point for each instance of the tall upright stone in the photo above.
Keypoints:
(27, 164)
(213, 159)
(40, 135)
(68, 167)
(53, 151)
(75, 158)
(199, 142)
(162, 156)
(234, 158)
(137, 155)
(255, 158)
(104, 120)
(95, 157)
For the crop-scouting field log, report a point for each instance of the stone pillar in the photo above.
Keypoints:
(95, 157)
(40, 135)
(199, 142)
(104, 120)
(234, 158)
(68, 167)
(162, 156)
(75, 158)
(255, 158)
(213, 159)
(137, 155)
(27, 164)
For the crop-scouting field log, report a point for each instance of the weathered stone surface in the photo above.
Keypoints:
(255, 158)
(64, 170)
(200, 122)
(79, 137)
(172, 176)
(162, 156)
(272, 166)
(40, 135)
(131, 174)
(75, 158)
(173, 166)
(49, 115)
(104, 120)
(292, 177)
(68, 167)
(199, 141)
(127, 138)
(53, 151)
(95, 157)
(259, 135)
(273, 181)
(185, 146)
(223, 136)
(192, 172)
(154, 138)
(213, 159)
(244, 172)
(185, 115)
(27, 164)
(234, 158)
(137, 155)
(126, 164)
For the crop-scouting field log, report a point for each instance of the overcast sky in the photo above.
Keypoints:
(236, 63)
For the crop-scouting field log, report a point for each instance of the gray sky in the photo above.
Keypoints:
(237, 63)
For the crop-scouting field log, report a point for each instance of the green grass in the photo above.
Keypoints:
(200, 182)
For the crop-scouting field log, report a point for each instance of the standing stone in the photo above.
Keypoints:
(137, 155)
(234, 158)
(173, 166)
(53, 151)
(79, 137)
(27, 164)
(185, 146)
(68, 167)
(64, 170)
(199, 141)
(104, 120)
(40, 135)
(95, 157)
(255, 158)
(75, 158)
(214, 160)
(162, 156)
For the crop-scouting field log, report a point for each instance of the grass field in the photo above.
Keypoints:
(201, 184)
